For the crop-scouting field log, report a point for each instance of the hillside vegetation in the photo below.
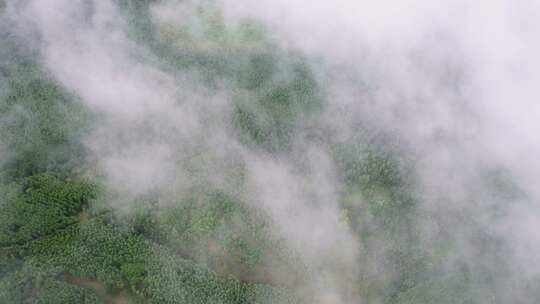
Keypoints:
(63, 238)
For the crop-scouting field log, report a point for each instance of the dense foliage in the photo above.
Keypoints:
(61, 241)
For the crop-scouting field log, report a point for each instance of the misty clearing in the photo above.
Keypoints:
(270, 151)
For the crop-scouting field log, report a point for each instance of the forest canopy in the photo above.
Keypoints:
(172, 152)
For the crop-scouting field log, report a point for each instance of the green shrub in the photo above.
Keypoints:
(41, 125)
(60, 292)
(40, 205)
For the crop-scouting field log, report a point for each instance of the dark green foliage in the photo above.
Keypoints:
(221, 233)
(39, 206)
(275, 96)
(120, 260)
(9, 262)
(60, 292)
(143, 220)
(173, 280)
(33, 284)
(16, 287)
(95, 250)
(41, 124)
(380, 206)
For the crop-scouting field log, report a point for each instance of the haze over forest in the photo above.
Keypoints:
(270, 151)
